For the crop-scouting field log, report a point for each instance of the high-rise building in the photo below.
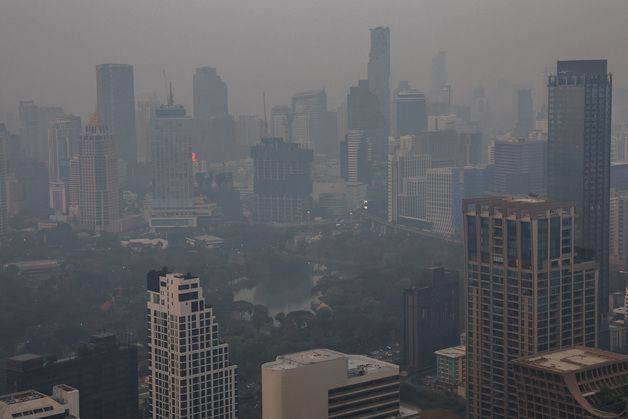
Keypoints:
(439, 75)
(578, 158)
(309, 118)
(379, 71)
(526, 118)
(444, 193)
(144, 113)
(282, 181)
(355, 156)
(63, 143)
(34, 124)
(190, 372)
(618, 230)
(210, 94)
(364, 114)
(31, 404)
(451, 369)
(98, 195)
(410, 112)
(248, 131)
(520, 166)
(527, 292)
(4, 195)
(406, 181)
(116, 107)
(281, 122)
(171, 134)
(321, 383)
(430, 308)
(576, 382)
(104, 370)
(450, 148)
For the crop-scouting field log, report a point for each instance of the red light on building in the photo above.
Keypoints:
(194, 156)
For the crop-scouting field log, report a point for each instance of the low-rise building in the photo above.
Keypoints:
(31, 404)
(322, 383)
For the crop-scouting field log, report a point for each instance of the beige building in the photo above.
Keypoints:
(321, 383)
(31, 404)
(451, 369)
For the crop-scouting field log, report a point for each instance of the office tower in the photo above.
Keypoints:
(4, 195)
(576, 382)
(321, 383)
(98, 195)
(363, 113)
(480, 108)
(309, 114)
(31, 404)
(439, 75)
(444, 192)
(144, 113)
(281, 122)
(451, 369)
(282, 181)
(406, 182)
(63, 141)
(578, 158)
(341, 122)
(520, 166)
(116, 107)
(618, 229)
(210, 94)
(104, 370)
(190, 372)
(431, 317)
(525, 113)
(171, 132)
(379, 71)
(248, 131)
(34, 124)
(450, 148)
(355, 157)
(74, 187)
(527, 292)
(410, 112)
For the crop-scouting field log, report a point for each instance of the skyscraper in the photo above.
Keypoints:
(282, 181)
(34, 123)
(249, 129)
(379, 71)
(210, 94)
(281, 122)
(410, 112)
(171, 133)
(4, 214)
(527, 292)
(520, 166)
(145, 112)
(190, 371)
(355, 157)
(309, 117)
(116, 106)
(525, 113)
(431, 308)
(444, 192)
(578, 159)
(439, 75)
(63, 142)
(364, 114)
(98, 196)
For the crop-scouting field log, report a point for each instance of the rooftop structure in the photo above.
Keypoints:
(31, 404)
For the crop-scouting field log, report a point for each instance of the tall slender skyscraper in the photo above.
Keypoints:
(281, 122)
(173, 179)
(4, 138)
(98, 195)
(363, 114)
(379, 70)
(190, 372)
(63, 141)
(145, 112)
(525, 113)
(578, 159)
(439, 74)
(527, 292)
(309, 113)
(116, 106)
(210, 94)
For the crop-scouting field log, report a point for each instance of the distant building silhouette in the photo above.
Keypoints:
(210, 94)
(439, 75)
(34, 124)
(410, 112)
(116, 107)
(4, 205)
(145, 112)
(364, 114)
(309, 113)
(520, 167)
(379, 70)
(525, 113)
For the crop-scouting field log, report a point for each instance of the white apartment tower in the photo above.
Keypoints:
(190, 372)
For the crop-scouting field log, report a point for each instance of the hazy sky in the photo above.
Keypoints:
(49, 48)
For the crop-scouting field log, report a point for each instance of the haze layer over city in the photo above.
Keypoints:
(305, 210)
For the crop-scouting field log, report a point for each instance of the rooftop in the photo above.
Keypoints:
(571, 360)
(453, 352)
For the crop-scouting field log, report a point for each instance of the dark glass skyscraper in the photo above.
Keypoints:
(410, 112)
(578, 158)
(363, 114)
(116, 106)
(210, 94)
(379, 69)
(525, 113)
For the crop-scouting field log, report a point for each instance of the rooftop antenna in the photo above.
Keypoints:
(170, 97)
(265, 118)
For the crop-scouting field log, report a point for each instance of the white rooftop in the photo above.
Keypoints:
(572, 359)
(453, 352)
